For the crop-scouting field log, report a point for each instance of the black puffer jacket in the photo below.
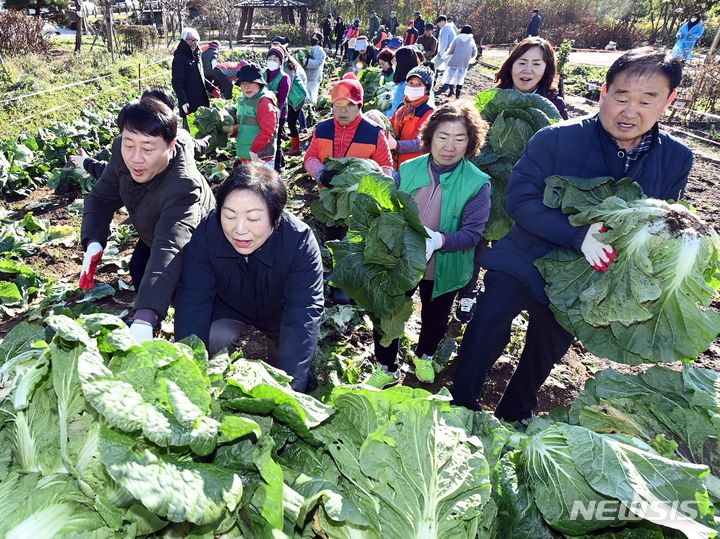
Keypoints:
(188, 80)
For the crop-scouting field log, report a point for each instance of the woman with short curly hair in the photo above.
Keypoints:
(453, 198)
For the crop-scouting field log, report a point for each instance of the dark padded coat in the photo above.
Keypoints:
(188, 80)
(580, 148)
(277, 289)
(164, 211)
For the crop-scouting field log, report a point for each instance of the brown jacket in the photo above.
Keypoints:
(430, 44)
(164, 212)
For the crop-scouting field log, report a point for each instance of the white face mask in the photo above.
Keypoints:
(272, 65)
(213, 63)
(693, 19)
(414, 92)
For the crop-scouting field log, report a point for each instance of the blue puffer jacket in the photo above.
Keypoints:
(580, 148)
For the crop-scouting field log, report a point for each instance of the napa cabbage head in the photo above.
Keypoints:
(653, 304)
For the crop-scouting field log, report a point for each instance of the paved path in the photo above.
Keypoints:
(596, 58)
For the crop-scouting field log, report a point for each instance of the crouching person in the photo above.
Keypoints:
(152, 173)
(251, 263)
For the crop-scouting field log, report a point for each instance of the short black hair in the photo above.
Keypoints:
(149, 117)
(441, 18)
(161, 93)
(262, 181)
(647, 61)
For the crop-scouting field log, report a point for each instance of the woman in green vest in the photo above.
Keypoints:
(257, 115)
(453, 198)
(279, 83)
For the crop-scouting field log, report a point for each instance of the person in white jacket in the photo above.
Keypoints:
(314, 68)
(447, 33)
(460, 55)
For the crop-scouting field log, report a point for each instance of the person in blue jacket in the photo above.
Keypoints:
(250, 263)
(621, 140)
(687, 36)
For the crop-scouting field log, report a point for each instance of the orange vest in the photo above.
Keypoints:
(363, 144)
(409, 127)
(383, 36)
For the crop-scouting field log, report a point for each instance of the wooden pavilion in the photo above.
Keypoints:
(288, 10)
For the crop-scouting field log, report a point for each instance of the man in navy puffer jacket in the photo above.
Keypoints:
(621, 140)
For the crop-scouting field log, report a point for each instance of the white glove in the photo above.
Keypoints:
(141, 332)
(255, 158)
(392, 142)
(433, 243)
(92, 257)
(78, 159)
(598, 254)
(186, 109)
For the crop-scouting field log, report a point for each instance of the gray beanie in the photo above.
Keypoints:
(424, 73)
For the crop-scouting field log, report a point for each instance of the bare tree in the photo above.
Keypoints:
(231, 14)
(177, 10)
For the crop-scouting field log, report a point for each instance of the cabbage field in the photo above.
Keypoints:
(100, 437)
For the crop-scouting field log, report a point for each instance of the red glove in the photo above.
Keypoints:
(92, 257)
(215, 92)
(611, 255)
(235, 130)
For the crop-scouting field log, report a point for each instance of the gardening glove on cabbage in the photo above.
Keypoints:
(392, 142)
(215, 93)
(78, 159)
(186, 109)
(141, 331)
(598, 254)
(433, 243)
(92, 257)
(326, 177)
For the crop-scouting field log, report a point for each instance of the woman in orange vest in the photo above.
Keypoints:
(411, 115)
(379, 37)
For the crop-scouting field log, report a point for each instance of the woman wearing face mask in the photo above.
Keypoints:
(279, 83)
(411, 115)
(453, 198)
(251, 263)
(687, 36)
(406, 58)
(530, 68)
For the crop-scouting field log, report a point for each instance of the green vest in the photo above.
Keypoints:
(297, 93)
(453, 269)
(248, 127)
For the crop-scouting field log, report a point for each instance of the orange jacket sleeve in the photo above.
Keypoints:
(382, 154)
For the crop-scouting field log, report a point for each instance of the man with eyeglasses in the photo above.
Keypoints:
(346, 134)
(188, 79)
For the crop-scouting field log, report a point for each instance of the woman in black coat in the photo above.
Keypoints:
(188, 79)
(250, 263)
(339, 33)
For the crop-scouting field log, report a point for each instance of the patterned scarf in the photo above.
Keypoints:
(407, 110)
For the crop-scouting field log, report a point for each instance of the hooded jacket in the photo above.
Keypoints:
(462, 51)
(164, 211)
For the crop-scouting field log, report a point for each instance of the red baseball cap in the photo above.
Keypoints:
(349, 88)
